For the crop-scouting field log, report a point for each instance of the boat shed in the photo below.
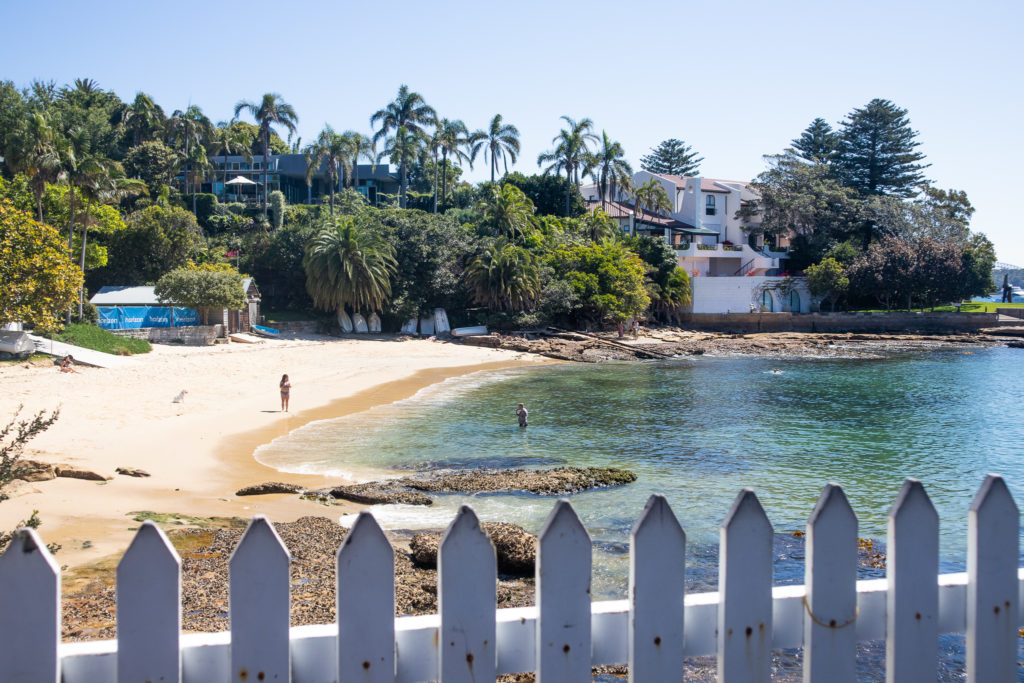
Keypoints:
(129, 308)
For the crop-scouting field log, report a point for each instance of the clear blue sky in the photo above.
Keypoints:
(734, 80)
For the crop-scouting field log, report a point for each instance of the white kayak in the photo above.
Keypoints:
(441, 325)
(373, 322)
(410, 326)
(359, 323)
(427, 326)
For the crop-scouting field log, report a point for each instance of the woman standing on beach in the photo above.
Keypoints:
(286, 388)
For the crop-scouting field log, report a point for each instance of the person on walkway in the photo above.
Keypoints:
(522, 413)
(286, 388)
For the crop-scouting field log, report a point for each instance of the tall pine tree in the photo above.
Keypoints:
(877, 151)
(818, 143)
(672, 157)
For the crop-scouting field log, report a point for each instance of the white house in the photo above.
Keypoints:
(730, 268)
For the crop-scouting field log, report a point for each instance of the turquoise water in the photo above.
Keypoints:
(699, 430)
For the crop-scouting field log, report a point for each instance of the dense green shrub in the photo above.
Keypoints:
(206, 206)
(276, 206)
(90, 316)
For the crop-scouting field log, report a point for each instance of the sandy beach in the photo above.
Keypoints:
(200, 451)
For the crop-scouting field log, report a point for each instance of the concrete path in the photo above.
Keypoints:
(82, 356)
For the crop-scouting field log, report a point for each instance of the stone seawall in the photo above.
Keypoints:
(199, 335)
(951, 323)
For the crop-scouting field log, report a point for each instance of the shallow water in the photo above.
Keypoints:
(699, 430)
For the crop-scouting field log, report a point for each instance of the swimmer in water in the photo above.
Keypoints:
(522, 413)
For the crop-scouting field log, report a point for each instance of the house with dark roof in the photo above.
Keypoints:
(287, 173)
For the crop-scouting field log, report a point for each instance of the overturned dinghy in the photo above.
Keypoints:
(265, 331)
(474, 331)
(344, 322)
(427, 326)
(15, 343)
(373, 322)
(441, 325)
(410, 326)
(359, 323)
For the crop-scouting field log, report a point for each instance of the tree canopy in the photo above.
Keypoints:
(203, 289)
(672, 157)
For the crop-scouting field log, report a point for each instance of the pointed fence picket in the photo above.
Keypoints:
(467, 579)
(657, 588)
(993, 532)
(366, 604)
(830, 644)
(563, 598)
(912, 598)
(29, 611)
(745, 585)
(259, 598)
(149, 614)
(565, 633)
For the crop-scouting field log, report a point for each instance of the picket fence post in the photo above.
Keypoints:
(993, 531)
(657, 589)
(29, 611)
(259, 597)
(563, 598)
(830, 643)
(149, 609)
(365, 596)
(912, 601)
(467, 579)
(745, 592)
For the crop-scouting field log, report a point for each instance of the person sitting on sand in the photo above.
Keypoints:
(522, 413)
(286, 388)
(68, 364)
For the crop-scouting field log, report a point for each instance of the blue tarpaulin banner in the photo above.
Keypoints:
(137, 317)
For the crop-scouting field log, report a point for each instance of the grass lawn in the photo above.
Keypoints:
(970, 307)
(98, 339)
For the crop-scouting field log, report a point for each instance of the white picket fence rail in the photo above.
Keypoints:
(565, 633)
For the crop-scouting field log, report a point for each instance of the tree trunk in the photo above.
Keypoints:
(444, 181)
(85, 237)
(494, 164)
(266, 153)
(331, 181)
(568, 190)
(435, 183)
(404, 181)
(224, 187)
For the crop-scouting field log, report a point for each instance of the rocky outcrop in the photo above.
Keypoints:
(515, 547)
(267, 488)
(558, 481)
(73, 473)
(132, 472)
(379, 493)
(33, 470)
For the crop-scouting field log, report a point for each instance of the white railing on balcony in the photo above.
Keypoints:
(565, 633)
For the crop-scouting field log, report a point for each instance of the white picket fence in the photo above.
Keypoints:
(565, 633)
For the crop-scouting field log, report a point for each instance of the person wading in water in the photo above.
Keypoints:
(522, 413)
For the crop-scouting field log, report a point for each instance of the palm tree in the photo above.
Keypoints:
(188, 129)
(409, 111)
(141, 115)
(453, 139)
(499, 141)
(610, 170)
(272, 110)
(507, 211)
(404, 144)
(332, 149)
(650, 197)
(348, 264)
(37, 154)
(228, 139)
(503, 276)
(570, 154)
(359, 146)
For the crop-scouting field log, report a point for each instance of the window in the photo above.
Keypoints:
(709, 205)
(234, 165)
(256, 166)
